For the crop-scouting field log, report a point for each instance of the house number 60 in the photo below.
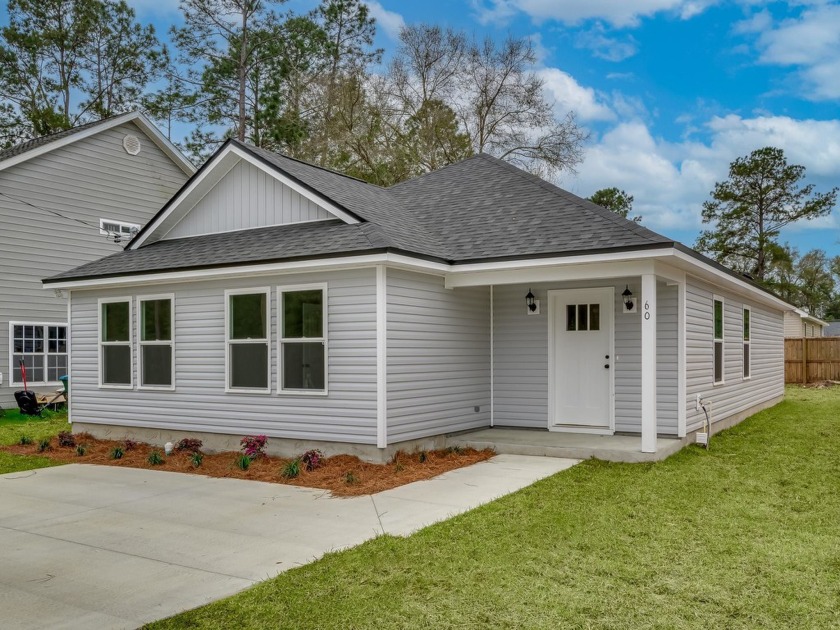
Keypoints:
(647, 310)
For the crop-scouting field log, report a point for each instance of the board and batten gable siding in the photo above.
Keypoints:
(91, 179)
(247, 197)
(438, 356)
(735, 394)
(199, 402)
(521, 357)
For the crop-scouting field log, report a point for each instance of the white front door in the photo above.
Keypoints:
(581, 358)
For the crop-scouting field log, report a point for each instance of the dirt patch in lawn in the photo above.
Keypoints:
(343, 475)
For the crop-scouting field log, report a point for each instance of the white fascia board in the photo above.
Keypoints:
(136, 117)
(216, 273)
(219, 166)
(287, 181)
(711, 274)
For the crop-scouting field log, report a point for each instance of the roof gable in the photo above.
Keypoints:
(225, 163)
(39, 146)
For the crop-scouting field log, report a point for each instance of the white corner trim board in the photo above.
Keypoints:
(381, 357)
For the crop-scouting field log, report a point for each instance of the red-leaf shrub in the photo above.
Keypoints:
(253, 445)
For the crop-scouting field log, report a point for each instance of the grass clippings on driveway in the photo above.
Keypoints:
(13, 425)
(746, 535)
(343, 475)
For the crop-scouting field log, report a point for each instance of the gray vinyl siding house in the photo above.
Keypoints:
(55, 192)
(270, 296)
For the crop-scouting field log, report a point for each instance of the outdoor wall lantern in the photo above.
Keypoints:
(531, 302)
(628, 299)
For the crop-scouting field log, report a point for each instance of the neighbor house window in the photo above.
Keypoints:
(247, 339)
(118, 228)
(746, 342)
(156, 341)
(115, 352)
(303, 338)
(43, 349)
(718, 339)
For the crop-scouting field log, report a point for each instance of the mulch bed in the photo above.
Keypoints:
(343, 475)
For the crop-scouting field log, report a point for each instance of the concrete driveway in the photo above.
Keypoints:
(105, 547)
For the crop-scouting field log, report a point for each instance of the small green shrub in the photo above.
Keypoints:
(454, 450)
(350, 478)
(196, 459)
(422, 456)
(117, 452)
(25, 440)
(81, 449)
(155, 458)
(291, 469)
(44, 445)
(65, 438)
(243, 462)
(399, 467)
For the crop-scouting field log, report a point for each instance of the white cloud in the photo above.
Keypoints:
(568, 94)
(390, 21)
(617, 12)
(670, 180)
(604, 46)
(810, 42)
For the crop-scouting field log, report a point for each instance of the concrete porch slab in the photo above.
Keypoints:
(611, 448)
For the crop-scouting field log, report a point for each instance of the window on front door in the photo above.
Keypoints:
(583, 317)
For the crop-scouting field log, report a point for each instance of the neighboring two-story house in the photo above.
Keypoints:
(68, 199)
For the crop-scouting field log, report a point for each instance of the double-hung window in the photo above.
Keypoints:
(303, 339)
(115, 343)
(43, 349)
(247, 340)
(718, 340)
(157, 354)
(747, 365)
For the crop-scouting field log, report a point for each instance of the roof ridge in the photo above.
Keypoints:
(305, 163)
(434, 172)
(587, 204)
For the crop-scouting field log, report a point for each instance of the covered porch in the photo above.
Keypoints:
(588, 358)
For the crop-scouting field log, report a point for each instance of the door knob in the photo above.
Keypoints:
(607, 366)
(607, 356)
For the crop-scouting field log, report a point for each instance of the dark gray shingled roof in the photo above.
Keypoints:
(242, 247)
(34, 143)
(479, 209)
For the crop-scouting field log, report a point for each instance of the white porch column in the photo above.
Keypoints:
(648, 310)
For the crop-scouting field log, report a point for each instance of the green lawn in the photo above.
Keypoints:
(13, 425)
(745, 535)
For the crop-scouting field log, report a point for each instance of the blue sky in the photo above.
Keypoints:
(670, 90)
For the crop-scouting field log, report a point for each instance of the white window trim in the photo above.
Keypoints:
(46, 325)
(716, 340)
(141, 343)
(129, 343)
(122, 224)
(746, 343)
(322, 286)
(266, 341)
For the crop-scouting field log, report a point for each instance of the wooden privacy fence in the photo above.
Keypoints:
(811, 359)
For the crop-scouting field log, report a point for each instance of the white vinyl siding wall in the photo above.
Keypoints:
(247, 197)
(521, 357)
(736, 394)
(438, 349)
(199, 401)
(90, 179)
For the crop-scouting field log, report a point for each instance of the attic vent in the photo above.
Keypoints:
(131, 144)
